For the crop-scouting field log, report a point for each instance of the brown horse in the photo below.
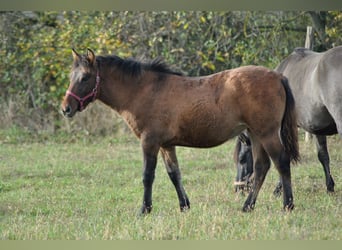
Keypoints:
(165, 109)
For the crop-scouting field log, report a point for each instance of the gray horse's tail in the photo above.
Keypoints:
(289, 130)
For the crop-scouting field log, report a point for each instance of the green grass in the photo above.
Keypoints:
(92, 189)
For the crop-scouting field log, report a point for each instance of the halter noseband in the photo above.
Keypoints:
(92, 94)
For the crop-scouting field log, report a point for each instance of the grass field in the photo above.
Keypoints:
(92, 189)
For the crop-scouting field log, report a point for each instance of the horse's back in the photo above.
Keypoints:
(333, 56)
(330, 65)
(218, 107)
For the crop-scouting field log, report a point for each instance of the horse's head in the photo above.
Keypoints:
(84, 83)
(244, 162)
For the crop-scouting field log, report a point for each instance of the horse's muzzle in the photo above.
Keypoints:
(67, 111)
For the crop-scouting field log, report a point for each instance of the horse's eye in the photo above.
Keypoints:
(85, 78)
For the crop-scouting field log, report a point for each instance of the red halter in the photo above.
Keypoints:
(92, 94)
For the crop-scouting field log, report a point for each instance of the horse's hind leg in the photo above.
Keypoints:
(282, 162)
(261, 166)
(171, 164)
(323, 156)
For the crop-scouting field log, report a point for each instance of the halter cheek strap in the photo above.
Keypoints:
(92, 94)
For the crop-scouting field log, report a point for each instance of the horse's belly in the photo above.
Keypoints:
(204, 123)
(200, 141)
(206, 135)
(317, 122)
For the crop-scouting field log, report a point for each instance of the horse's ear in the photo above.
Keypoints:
(91, 56)
(75, 55)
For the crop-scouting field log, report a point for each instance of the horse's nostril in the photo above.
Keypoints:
(67, 110)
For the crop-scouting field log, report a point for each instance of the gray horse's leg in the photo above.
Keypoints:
(323, 156)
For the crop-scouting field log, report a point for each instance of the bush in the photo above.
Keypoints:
(36, 52)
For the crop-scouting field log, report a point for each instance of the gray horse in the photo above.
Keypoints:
(316, 83)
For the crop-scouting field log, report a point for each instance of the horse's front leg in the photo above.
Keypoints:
(150, 163)
(171, 164)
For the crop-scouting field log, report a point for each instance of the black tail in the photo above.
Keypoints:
(289, 130)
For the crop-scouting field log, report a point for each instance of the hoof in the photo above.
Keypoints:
(277, 193)
(185, 208)
(241, 193)
(330, 189)
(330, 185)
(145, 210)
(278, 190)
(289, 208)
(184, 204)
(248, 208)
(330, 192)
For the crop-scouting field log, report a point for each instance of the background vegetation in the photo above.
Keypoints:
(35, 52)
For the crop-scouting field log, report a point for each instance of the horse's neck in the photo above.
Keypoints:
(126, 96)
(120, 92)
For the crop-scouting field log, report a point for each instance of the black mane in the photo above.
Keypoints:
(135, 68)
